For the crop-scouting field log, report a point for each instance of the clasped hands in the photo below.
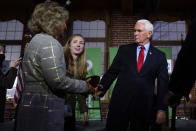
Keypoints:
(94, 89)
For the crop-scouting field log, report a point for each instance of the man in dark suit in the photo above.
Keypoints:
(136, 66)
(184, 74)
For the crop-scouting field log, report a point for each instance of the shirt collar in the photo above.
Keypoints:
(146, 46)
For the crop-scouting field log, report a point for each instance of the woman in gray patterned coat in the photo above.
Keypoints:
(42, 105)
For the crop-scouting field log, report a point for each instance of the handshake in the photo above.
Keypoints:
(94, 87)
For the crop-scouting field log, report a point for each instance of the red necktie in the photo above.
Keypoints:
(140, 58)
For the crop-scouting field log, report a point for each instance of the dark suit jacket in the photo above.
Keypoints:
(133, 90)
(184, 74)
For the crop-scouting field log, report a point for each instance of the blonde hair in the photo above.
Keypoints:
(47, 17)
(80, 69)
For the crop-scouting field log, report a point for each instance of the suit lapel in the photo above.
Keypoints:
(135, 58)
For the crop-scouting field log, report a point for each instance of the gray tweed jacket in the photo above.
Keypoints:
(45, 82)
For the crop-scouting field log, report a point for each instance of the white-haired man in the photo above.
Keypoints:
(136, 66)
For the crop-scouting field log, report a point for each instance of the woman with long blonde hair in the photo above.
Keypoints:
(75, 57)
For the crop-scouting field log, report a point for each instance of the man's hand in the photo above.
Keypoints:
(16, 62)
(172, 99)
(160, 117)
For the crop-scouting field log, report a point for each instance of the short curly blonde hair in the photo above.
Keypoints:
(47, 17)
